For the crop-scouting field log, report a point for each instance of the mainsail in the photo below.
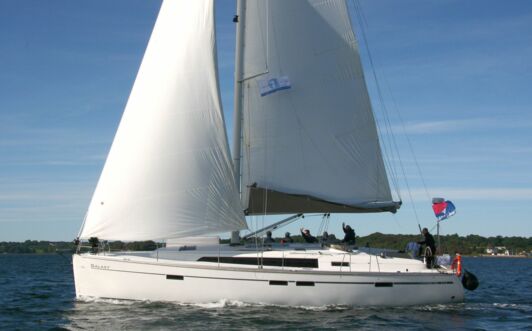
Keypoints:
(310, 142)
(168, 173)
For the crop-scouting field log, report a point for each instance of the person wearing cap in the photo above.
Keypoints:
(430, 245)
(305, 233)
(269, 239)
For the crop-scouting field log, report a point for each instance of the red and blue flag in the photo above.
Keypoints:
(443, 209)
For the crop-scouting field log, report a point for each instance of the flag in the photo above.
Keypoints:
(443, 209)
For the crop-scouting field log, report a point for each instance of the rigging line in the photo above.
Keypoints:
(411, 148)
(267, 127)
(322, 224)
(361, 12)
(397, 221)
(404, 174)
(387, 146)
(266, 145)
(247, 144)
(246, 116)
(363, 16)
(313, 215)
(267, 34)
(396, 148)
(83, 224)
(357, 2)
(387, 167)
(392, 142)
(327, 222)
(256, 241)
(242, 142)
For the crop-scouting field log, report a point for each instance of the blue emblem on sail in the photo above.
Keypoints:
(272, 85)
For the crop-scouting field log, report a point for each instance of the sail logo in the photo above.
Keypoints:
(272, 85)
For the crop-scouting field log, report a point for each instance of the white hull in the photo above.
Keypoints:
(149, 278)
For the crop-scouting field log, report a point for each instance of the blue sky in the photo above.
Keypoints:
(459, 72)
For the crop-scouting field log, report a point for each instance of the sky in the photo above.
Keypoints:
(455, 79)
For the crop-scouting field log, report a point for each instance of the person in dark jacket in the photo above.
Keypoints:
(287, 238)
(305, 233)
(430, 247)
(269, 238)
(349, 237)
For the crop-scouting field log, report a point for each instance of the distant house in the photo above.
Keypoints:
(497, 250)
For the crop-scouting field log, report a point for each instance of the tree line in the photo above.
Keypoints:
(467, 245)
(50, 247)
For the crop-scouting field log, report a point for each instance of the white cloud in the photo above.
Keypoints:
(460, 125)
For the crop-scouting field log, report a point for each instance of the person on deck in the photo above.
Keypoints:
(430, 249)
(307, 236)
(287, 238)
(269, 239)
(349, 237)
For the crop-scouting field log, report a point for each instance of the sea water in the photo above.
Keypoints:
(37, 292)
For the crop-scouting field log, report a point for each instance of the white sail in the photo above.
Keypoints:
(309, 136)
(168, 173)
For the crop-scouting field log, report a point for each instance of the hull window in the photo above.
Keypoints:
(383, 284)
(267, 261)
(278, 282)
(340, 264)
(174, 277)
(304, 283)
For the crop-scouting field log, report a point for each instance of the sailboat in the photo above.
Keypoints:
(305, 141)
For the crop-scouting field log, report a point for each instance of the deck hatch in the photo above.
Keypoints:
(174, 277)
(267, 261)
(278, 282)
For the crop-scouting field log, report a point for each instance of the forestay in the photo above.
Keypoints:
(310, 142)
(168, 174)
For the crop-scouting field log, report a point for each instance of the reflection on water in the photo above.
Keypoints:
(38, 293)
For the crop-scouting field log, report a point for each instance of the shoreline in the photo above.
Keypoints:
(502, 256)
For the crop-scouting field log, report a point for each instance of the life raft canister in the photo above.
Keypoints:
(457, 265)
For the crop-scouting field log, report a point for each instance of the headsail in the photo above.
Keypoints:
(310, 142)
(168, 173)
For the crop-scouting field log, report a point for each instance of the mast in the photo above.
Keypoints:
(237, 114)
